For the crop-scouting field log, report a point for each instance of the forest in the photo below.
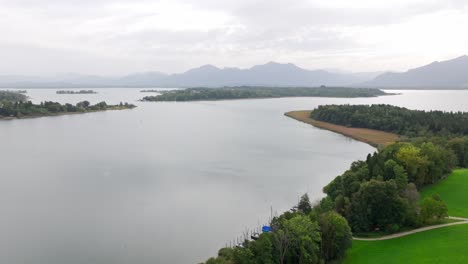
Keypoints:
(245, 92)
(9, 96)
(402, 121)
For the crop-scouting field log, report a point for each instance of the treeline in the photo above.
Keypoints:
(308, 235)
(411, 123)
(28, 109)
(226, 93)
(10, 96)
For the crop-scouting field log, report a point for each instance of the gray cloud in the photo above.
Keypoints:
(118, 36)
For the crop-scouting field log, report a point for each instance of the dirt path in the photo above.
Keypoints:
(422, 229)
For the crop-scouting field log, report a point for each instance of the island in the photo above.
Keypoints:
(76, 92)
(245, 92)
(17, 91)
(412, 189)
(150, 91)
(15, 106)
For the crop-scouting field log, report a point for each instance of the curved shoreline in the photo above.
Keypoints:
(372, 137)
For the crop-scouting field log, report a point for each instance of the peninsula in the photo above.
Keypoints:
(23, 109)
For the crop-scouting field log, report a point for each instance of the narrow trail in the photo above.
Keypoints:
(422, 229)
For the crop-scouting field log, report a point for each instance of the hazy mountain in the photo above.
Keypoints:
(270, 74)
(444, 74)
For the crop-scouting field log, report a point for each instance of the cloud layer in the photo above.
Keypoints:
(120, 36)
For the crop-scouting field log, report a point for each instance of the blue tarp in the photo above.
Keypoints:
(266, 229)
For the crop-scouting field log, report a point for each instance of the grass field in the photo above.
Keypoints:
(445, 245)
(453, 191)
(373, 137)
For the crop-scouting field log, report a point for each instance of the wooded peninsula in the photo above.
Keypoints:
(246, 92)
(15, 105)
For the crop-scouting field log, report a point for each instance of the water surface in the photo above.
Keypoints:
(165, 182)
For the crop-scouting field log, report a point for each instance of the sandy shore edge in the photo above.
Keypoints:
(372, 137)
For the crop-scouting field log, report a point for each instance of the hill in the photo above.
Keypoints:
(450, 74)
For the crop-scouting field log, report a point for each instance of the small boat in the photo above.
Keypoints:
(255, 236)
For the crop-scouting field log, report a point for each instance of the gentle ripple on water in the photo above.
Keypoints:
(165, 182)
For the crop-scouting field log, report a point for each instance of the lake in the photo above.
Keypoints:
(165, 182)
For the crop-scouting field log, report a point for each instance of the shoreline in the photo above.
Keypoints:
(6, 118)
(372, 137)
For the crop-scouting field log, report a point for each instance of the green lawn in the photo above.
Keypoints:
(445, 245)
(453, 191)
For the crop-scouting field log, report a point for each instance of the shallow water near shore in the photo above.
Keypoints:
(165, 182)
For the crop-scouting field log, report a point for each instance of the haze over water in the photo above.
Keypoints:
(165, 182)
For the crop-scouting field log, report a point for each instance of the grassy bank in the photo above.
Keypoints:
(444, 245)
(373, 137)
(453, 191)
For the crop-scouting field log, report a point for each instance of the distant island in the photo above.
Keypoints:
(17, 91)
(14, 105)
(76, 92)
(247, 92)
(150, 91)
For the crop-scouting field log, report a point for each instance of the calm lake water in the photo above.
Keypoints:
(165, 182)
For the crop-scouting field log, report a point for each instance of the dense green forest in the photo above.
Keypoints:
(378, 195)
(381, 193)
(9, 96)
(411, 123)
(21, 109)
(226, 93)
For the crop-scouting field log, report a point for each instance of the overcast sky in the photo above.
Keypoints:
(113, 37)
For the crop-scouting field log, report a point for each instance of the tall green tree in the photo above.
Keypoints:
(336, 236)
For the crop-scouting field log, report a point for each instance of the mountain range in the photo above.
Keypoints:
(437, 75)
(445, 74)
(269, 74)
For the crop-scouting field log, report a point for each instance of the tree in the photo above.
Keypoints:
(336, 236)
(304, 237)
(377, 205)
(262, 249)
(414, 162)
(433, 209)
(304, 204)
